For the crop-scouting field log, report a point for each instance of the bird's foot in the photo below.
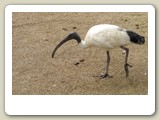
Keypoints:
(126, 68)
(104, 75)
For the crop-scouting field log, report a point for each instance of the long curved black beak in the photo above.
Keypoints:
(71, 36)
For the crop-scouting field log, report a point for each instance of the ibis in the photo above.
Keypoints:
(106, 36)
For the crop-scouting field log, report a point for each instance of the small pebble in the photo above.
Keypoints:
(65, 29)
(81, 60)
(123, 52)
(46, 39)
(78, 62)
(145, 73)
(74, 27)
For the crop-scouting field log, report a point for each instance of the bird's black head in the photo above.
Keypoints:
(136, 38)
(74, 35)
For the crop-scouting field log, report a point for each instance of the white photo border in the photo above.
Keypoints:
(79, 104)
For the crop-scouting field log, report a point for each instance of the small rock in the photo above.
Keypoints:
(81, 60)
(65, 29)
(126, 20)
(46, 39)
(76, 63)
(74, 27)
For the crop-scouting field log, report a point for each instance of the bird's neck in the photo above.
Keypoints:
(83, 44)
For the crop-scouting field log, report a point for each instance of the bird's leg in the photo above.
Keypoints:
(126, 60)
(107, 66)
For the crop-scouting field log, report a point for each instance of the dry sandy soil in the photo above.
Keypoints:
(35, 72)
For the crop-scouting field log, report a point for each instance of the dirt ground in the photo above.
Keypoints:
(35, 72)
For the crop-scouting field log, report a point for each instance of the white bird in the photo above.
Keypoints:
(106, 36)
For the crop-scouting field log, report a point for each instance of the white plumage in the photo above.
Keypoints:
(106, 36)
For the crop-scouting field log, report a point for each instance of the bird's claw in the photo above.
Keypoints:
(126, 68)
(104, 75)
(126, 65)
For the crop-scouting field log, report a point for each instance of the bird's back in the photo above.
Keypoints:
(106, 36)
